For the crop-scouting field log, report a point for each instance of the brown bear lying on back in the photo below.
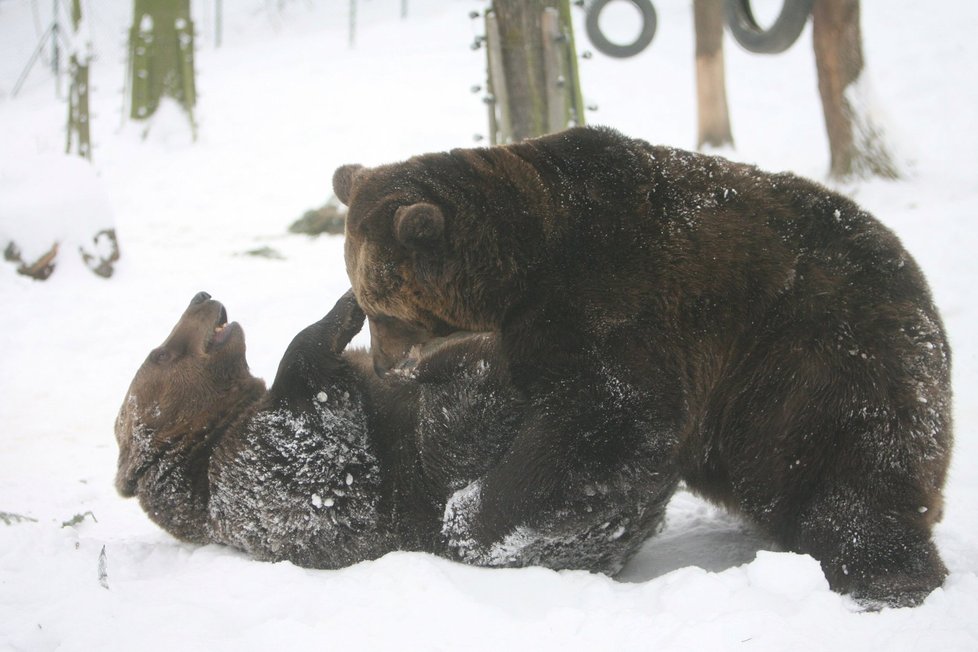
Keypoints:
(664, 316)
(331, 465)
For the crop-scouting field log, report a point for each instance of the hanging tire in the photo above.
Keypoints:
(620, 51)
(775, 39)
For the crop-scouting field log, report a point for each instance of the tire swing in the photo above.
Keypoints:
(617, 50)
(775, 39)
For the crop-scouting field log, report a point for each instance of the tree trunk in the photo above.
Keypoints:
(79, 124)
(522, 43)
(857, 145)
(711, 87)
(161, 57)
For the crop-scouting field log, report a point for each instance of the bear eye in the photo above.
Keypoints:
(160, 356)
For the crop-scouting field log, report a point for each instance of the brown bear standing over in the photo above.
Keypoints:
(671, 315)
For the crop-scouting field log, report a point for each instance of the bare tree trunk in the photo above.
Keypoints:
(857, 145)
(79, 124)
(527, 64)
(711, 87)
(520, 34)
(161, 57)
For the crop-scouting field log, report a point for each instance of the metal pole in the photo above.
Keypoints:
(218, 23)
(353, 22)
(55, 49)
(31, 62)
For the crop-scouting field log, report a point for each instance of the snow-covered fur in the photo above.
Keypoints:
(672, 315)
(333, 465)
(287, 473)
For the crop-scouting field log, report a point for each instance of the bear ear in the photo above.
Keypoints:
(343, 180)
(419, 226)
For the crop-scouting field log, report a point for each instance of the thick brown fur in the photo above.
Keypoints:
(332, 465)
(287, 473)
(670, 315)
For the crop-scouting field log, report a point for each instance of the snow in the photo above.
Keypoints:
(74, 207)
(283, 102)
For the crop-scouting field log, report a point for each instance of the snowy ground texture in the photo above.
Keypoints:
(282, 103)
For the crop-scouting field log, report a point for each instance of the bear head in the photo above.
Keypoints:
(438, 244)
(184, 390)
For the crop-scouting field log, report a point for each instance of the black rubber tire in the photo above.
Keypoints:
(603, 45)
(778, 37)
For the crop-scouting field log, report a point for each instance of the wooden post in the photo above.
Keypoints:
(857, 145)
(532, 68)
(554, 64)
(575, 97)
(711, 88)
(500, 127)
(520, 42)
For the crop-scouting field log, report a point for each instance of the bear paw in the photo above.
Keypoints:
(457, 524)
(463, 517)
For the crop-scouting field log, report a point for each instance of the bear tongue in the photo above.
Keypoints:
(221, 334)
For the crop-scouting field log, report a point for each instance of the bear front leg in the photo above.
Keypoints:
(314, 359)
(880, 557)
(583, 484)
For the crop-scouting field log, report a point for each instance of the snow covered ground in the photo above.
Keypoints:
(282, 103)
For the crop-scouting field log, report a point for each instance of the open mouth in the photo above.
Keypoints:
(222, 331)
